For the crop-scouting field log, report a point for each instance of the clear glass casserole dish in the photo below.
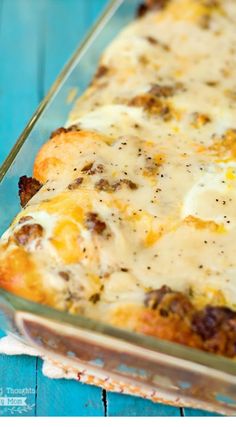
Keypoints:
(178, 374)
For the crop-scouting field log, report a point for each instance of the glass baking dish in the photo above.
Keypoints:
(171, 373)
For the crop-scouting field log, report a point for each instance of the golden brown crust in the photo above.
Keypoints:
(61, 151)
(149, 196)
(172, 328)
(171, 316)
(20, 275)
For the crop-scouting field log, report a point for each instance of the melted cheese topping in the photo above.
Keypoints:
(161, 116)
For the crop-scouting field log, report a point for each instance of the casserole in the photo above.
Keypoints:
(28, 324)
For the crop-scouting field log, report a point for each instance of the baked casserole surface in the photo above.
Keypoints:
(130, 216)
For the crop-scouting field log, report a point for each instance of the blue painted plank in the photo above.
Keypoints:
(67, 398)
(17, 380)
(65, 25)
(18, 72)
(120, 405)
(188, 412)
(36, 39)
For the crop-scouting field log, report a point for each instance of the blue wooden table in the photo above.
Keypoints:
(36, 38)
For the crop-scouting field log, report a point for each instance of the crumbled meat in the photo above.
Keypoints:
(104, 185)
(151, 40)
(94, 223)
(75, 184)
(28, 233)
(91, 169)
(61, 130)
(162, 91)
(143, 8)
(152, 105)
(96, 169)
(64, 275)
(155, 42)
(208, 321)
(87, 167)
(154, 298)
(73, 128)
(178, 303)
(25, 219)
(217, 328)
(101, 71)
(211, 83)
(171, 315)
(94, 298)
(28, 187)
(57, 132)
(130, 184)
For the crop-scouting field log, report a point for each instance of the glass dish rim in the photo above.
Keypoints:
(179, 351)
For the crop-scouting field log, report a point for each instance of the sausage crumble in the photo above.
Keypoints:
(212, 328)
(61, 130)
(94, 223)
(28, 233)
(75, 184)
(104, 185)
(28, 187)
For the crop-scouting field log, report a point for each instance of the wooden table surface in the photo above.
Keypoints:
(36, 38)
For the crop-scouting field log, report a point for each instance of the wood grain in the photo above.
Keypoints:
(123, 405)
(62, 397)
